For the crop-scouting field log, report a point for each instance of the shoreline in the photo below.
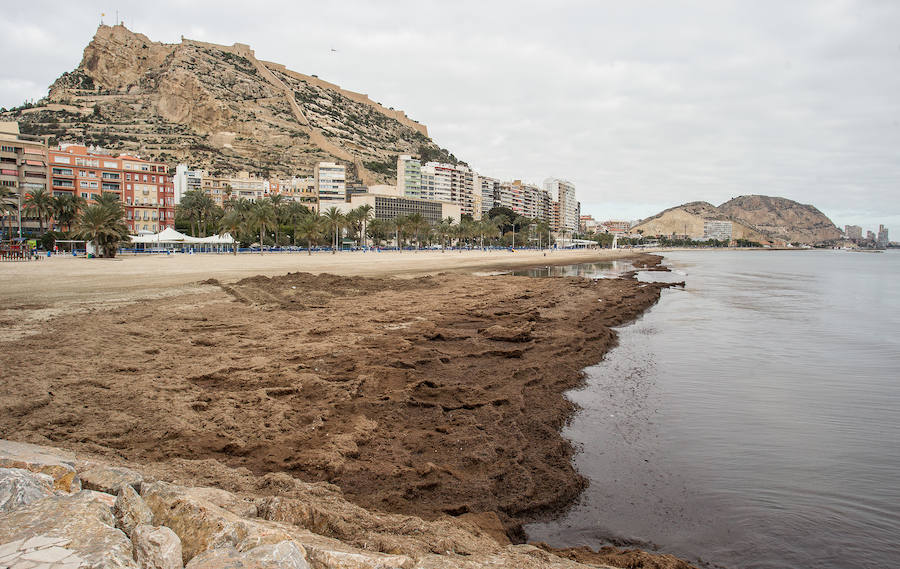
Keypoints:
(401, 409)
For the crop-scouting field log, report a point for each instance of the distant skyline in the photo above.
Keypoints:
(643, 106)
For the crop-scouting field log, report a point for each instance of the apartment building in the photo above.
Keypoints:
(23, 167)
(144, 186)
(387, 207)
(186, 180)
(853, 232)
(297, 188)
(617, 226)
(462, 191)
(331, 184)
(437, 182)
(409, 176)
(882, 239)
(490, 193)
(719, 230)
(563, 193)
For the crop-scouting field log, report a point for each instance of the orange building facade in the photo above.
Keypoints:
(144, 187)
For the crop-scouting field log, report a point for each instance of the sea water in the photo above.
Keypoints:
(752, 419)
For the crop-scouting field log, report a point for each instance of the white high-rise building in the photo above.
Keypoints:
(563, 193)
(331, 184)
(490, 193)
(437, 181)
(409, 176)
(186, 180)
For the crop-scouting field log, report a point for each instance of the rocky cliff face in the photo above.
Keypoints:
(219, 108)
(757, 218)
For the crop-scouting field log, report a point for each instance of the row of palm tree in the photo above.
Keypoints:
(40, 203)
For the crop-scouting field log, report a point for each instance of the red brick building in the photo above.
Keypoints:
(145, 187)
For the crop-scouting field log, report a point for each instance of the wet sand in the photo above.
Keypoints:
(429, 395)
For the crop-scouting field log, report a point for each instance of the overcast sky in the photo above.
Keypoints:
(643, 105)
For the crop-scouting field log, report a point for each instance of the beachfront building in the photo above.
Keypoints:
(240, 186)
(186, 180)
(297, 188)
(853, 232)
(587, 224)
(531, 201)
(617, 226)
(23, 167)
(387, 207)
(563, 194)
(462, 191)
(437, 179)
(145, 187)
(331, 184)
(490, 193)
(719, 230)
(882, 240)
(409, 176)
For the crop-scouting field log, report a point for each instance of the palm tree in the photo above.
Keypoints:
(467, 230)
(278, 203)
(417, 223)
(206, 211)
(400, 227)
(188, 208)
(490, 228)
(112, 202)
(8, 206)
(376, 229)
(309, 228)
(445, 229)
(262, 216)
(40, 202)
(234, 223)
(102, 224)
(365, 214)
(294, 212)
(543, 226)
(335, 220)
(66, 208)
(353, 222)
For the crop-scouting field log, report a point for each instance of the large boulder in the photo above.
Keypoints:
(19, 488)
(156, 547)
(202, 525)
(39, 552)
(84, 521)
(56, 463)
(283, 555)
(130, 510)
(326, 553)
(110, 479)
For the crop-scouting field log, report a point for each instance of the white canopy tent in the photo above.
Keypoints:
(169, 238)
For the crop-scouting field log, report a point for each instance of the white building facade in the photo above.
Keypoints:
(563, 193)
(331, 184)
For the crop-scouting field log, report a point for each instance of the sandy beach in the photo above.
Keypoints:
(65, 278)
(437, 394)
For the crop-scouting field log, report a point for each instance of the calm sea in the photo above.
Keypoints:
(751, 419)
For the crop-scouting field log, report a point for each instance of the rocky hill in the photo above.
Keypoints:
(757, 218)
(782, 218)
(220, 108)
